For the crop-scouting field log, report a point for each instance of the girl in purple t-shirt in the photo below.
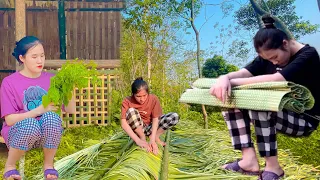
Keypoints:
(27, 123)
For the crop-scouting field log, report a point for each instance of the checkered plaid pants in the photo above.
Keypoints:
(32, 133)
(266, 125)
(166, 121)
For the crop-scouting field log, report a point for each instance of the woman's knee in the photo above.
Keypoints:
(132, 114)
(50, 121)
(28, 126)
(24, 134)
(50, 118)
(131, 111)
(175, 118)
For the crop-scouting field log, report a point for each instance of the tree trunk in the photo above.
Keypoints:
(204, 112)
(266, 7)
(278, 22)
(149, 62)
(260, 23)
(259, 20)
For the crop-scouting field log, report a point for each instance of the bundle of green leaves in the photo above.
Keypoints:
(73, 74)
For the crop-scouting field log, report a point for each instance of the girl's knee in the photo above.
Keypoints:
(50, 118)
(50, 115)
(176, 117)
(131, 110)
(29, 126)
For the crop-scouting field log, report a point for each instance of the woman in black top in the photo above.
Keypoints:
(280, 59)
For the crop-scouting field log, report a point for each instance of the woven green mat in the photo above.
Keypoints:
(269, 96)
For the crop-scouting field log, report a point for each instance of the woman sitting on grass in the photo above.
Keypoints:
(280, 59)
(28, 124)
(141, 116)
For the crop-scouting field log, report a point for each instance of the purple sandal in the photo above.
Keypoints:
(11, 173)
(268, 175)
(51, 172)
(234, 166)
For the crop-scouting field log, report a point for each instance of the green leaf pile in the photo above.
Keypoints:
(73, 74)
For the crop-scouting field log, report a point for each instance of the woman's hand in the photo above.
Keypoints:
(41, 109)
(154, 147)
(144, 145)
(222, 88)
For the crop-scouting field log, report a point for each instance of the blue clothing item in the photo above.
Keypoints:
(32, 133)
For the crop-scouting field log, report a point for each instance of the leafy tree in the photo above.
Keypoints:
(282, 9)
(216, 66)
(187, 9)
(146, 18)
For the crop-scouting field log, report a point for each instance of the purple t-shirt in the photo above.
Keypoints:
(20, 94)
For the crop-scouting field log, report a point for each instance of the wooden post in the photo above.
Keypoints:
(62, 29)
(20, 15)
(109, 99)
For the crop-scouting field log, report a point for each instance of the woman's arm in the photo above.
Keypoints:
(125, 126)
(242, 73)
(71, 107)
(257, 79)
(11, 119)
(222, 88)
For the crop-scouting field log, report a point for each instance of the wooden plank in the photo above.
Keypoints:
(91, 30)
(113, 34)
(50, 36)
(6, 43)
(74, 23)
(97, 35)
(109, 38)
(86, 24)
(109, 98)
(107, 64)
(29, 23)
(80, 33)
(103, 35)
(103, 79)
(69, 33)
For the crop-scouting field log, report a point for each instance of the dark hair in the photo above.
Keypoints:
(138, 84)
(269, 37)
(24, 45)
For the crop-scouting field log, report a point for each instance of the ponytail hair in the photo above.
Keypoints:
(139, 84)
(24, 45)
(269, 37)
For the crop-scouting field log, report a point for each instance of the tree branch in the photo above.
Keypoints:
(278, 22)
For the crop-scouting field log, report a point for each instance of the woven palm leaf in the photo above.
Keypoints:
(268, 96)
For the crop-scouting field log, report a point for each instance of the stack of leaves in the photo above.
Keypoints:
(73, 74)
(191, 153)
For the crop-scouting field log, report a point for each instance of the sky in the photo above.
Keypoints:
(307, 9)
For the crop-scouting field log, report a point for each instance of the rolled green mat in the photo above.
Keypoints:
(268, 96)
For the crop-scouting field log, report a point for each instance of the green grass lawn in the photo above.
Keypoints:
(75, 139)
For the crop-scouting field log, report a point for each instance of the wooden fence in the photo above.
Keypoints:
(93, 30)
(92, 102)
